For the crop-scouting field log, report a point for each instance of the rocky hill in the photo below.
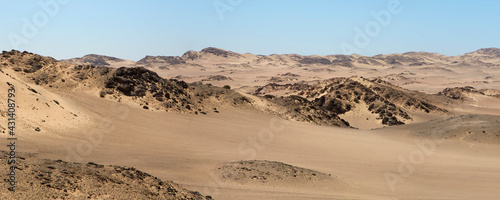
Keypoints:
(460, 93)
(137, 84)
(484, 54)
(169, 60)
(468, 94)
(260, 172)
(219, 52)
(99, 60)
(57, 179)
(323, 102)
(93, 59)
(151, 90)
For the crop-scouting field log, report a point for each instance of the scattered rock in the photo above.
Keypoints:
(49, 179)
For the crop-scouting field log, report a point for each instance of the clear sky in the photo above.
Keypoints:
(133, 29)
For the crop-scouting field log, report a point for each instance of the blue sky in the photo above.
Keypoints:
(133, 29)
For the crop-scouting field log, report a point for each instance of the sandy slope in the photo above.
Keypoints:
(38, 107)
(188, 149)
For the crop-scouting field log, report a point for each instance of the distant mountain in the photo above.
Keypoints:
(489, 51)
(223, 56)
(220, 52)
(169, 60)
(99, 60)
(190, 57)
(484, 54)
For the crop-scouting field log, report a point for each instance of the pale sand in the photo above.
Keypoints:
(186, 148)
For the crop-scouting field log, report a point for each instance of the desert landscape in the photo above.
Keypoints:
(218, 124)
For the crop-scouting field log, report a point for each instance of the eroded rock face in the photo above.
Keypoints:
(301, 109)
(140, 82)
(343, 94)
(323, 102)
(149, 88)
